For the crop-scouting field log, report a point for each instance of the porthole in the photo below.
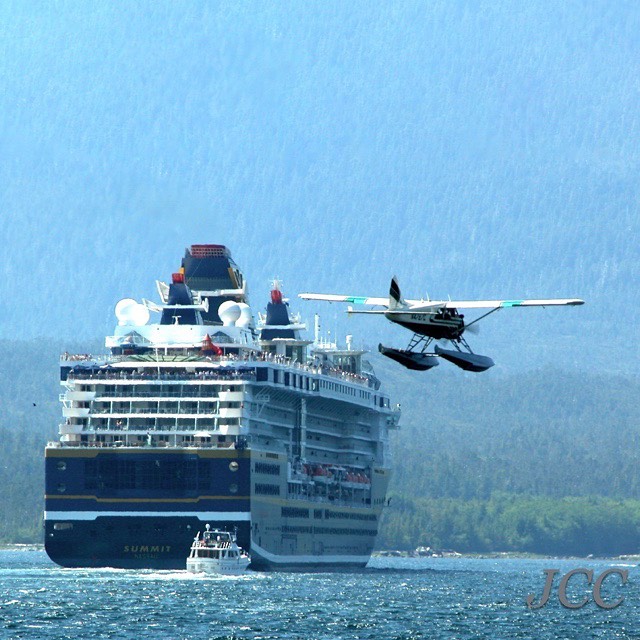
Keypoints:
(233, 488)
(233, 465)
(62, 465)
(62, 488)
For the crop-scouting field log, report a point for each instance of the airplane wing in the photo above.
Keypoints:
(434, 305)
(373, 301)
(502, 304)
(328, 297)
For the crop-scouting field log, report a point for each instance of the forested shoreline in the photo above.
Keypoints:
(569, 526)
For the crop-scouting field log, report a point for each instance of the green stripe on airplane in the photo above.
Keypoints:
(512, 303)
(356, 300)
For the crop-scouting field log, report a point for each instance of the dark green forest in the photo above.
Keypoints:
(543, 461)
(576, 526)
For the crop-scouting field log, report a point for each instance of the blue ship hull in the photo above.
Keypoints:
(131, 542)
(141, 508)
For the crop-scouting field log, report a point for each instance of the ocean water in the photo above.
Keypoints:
(452, 598)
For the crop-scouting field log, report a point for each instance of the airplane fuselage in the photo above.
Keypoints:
(444, 325)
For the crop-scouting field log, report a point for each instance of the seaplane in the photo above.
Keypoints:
(438, 320)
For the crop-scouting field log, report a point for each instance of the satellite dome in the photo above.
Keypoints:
(229, 312)
(122, 304)
(245, 315)
(131, 313)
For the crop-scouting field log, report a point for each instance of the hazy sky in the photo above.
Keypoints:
(476, 149)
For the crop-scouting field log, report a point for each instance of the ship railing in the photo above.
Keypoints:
(148, 411)
(315, 369)
(84, 357)
(138, 445)
(337, 502)
(233, 375)
(213, 394)
(347, 376)
(140, 429)
(319, 369)
(150, 375)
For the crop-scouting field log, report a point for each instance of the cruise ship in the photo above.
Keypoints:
(207, 416)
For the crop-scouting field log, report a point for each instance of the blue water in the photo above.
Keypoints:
(457, 598)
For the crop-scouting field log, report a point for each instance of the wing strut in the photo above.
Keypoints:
(484, 315)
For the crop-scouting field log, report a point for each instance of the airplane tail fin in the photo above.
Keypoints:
(395, 297)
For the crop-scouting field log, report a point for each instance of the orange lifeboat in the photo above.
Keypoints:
(321, 475)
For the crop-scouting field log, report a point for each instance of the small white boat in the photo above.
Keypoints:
(217, 552)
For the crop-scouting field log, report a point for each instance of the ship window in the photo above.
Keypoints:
(294, 512)
(233, 488)
(267, 489)
(61, 465)
(290, 529)
(266, 467)
(62, 526)
(233, 465)
(144, 474)
(62, 488)
(261, 374)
